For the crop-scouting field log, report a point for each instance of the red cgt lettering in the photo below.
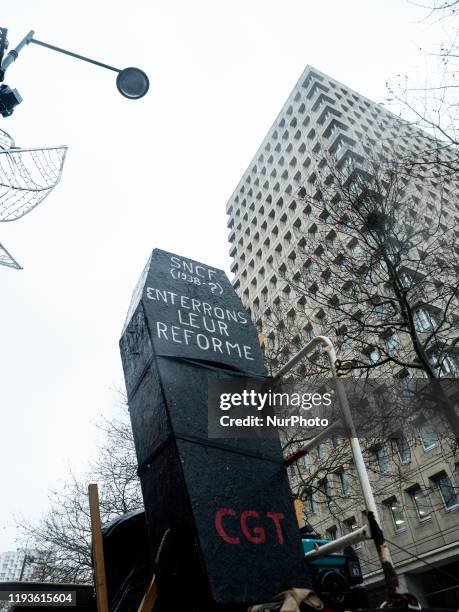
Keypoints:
(256, 534)
(276, 517)
(219, 527)
(259, 535)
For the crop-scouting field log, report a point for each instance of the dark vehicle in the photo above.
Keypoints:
(337, 578)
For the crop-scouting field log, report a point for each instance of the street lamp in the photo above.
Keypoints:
(367, 492)
(131, 82)
(29, 175)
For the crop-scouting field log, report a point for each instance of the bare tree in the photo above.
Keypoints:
(63, 535)
(444, 8)
(376, 268)
(328, 485)
(432, 103)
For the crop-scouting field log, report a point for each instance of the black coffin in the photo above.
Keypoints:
(222, 508)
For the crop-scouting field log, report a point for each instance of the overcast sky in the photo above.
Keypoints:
(142, 174)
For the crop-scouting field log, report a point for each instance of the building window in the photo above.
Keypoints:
(427, 435)
(421, 503)
(356, 249)
(393, 345)
(446, 489)
(337, 441)
(398, 516)
(447, 364)
(424, 320)
(350, 291)
(327, 490)
(408, 281)
(320, 451)
(312, 503)
(382, 460)
(403, 449)
(332, 533)
(339, 146)
(343, 482)
(351, 525)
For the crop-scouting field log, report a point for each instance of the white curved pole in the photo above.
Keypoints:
(370, 503)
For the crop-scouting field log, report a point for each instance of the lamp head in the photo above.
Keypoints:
(132, 83)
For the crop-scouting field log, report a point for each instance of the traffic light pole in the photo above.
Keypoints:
(374, 519)
(131, 82)
(13, 54)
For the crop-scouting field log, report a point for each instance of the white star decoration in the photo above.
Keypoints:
(27, 176)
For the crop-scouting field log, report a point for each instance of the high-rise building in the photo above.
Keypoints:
(323, 117)
(16, 565)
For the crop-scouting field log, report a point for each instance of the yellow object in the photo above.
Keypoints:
(299, 512)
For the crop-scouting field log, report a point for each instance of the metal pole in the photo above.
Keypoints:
(72, 54)
(13, 54)
(358, 535)
(301, 452)
(304, 352)
(374, 520)
(24, 561)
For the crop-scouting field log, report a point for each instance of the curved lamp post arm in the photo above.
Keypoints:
(72, 54)
(305, 351)
(131, 82)
(13, 54)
